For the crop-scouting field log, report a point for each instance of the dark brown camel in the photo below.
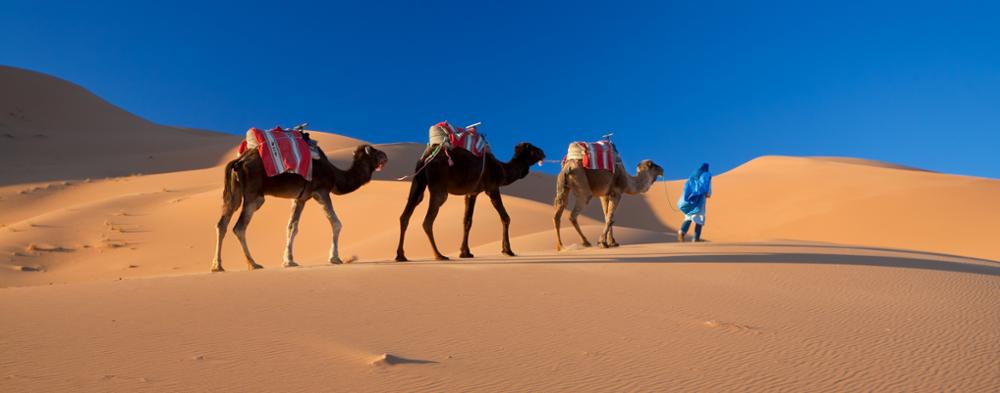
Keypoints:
(247, 182)
(469, 177)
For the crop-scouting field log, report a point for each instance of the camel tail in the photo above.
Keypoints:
(230, 198)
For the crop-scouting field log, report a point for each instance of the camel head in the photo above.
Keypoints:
(528, 153)
(376, 157)
(649, 165)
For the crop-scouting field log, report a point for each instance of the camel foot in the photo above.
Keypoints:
(466, 254)
(614, 244)
(442, 258)
(508, 253)
(217, 269)
(603, 245)
(401, 258)
(251, 266)
(290, 264)
(336, 261)
(587, 244)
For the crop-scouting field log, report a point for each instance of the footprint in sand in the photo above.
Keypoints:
(207, 359)
(109, 377)
(121, 228)
(110, 244)
(731, 327)
(23, 268)
(36, 248)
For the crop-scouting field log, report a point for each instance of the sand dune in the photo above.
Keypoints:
(51, 129)
(821, 274)
(832, 201)
(146, 220)
(402, 157)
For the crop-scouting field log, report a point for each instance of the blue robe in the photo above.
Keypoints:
(696, 191)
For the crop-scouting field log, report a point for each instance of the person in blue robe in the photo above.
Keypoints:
(697, 190)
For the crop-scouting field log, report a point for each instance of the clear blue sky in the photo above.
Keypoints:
(910, 82)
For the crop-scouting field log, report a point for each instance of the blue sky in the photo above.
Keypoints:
(916, 83)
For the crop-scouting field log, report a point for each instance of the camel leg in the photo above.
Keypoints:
(612, 208)
(609, 203)
(581, 197)
(324, 200)
(562, 197)
(504, 218)
(557, 220)
(220, 231)
(579, 204)
(293, 229)
(602, 241)
(470, 207)
(250, 206)
(439, 194)
(417, 187)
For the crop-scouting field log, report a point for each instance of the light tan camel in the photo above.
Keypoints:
(585, 184)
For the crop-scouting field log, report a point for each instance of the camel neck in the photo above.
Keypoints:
(515, 169)
(359, 174)
(639, 183)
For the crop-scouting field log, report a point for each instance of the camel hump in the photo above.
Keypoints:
(469, 138)
(600, 155)
(282, 150)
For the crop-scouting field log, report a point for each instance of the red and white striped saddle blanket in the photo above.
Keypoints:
(468, 139)
(595, 155)
(282, 151)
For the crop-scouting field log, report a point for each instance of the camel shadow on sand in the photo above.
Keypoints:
(914, 260)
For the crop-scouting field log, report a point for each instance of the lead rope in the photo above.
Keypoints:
(427, 161)
(666, 192)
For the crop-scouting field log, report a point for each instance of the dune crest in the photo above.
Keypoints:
(51, 129)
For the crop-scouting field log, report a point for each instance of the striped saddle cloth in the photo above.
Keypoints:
(281, 150)
(595, 155)
(464, 138)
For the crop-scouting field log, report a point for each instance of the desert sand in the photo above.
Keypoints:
(819, 274)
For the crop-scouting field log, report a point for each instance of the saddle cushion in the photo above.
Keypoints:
(468, 139)
(281, 150)
(595, 155)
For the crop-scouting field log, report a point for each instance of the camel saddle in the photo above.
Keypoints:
(600, 155)
(463, 138)
(282, 150)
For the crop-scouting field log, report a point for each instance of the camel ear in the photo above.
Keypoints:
(368, 149)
